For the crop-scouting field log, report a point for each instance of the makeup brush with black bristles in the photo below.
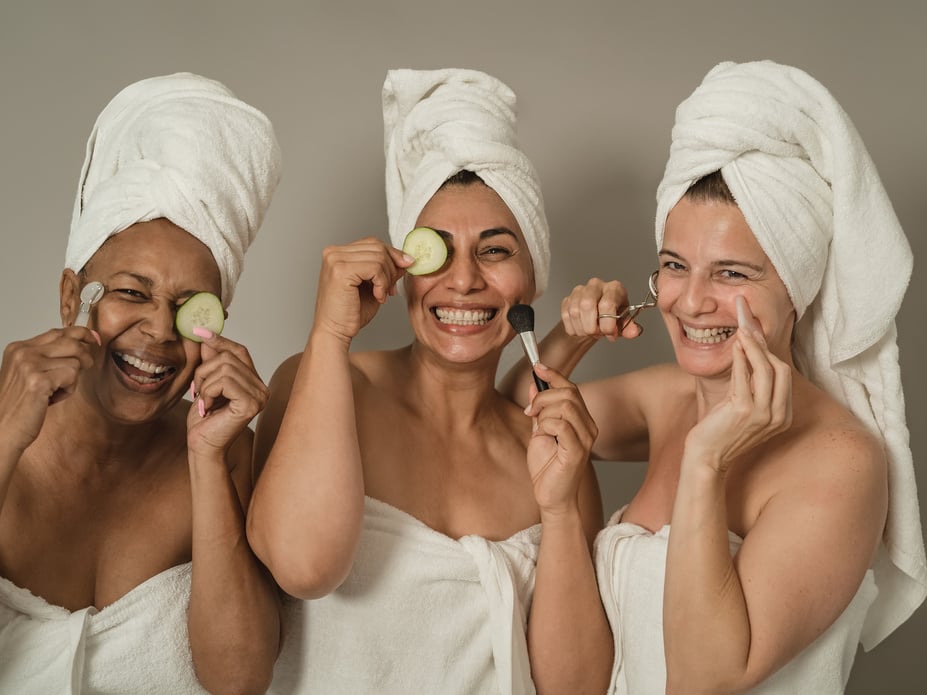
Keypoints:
(521, 316)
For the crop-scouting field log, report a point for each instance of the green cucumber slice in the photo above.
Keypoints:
(428, 249)
(203, 309)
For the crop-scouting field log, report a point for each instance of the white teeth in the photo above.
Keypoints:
(464, 317)
(708, 335)
(145, 366)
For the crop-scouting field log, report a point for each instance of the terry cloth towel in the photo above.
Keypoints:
(136, 645)
(419, 613)
(440, 122)
(181, 147)
(812, 197)
(631, 567)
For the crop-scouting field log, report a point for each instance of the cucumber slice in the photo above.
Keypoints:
(204, 309)
(427, 247)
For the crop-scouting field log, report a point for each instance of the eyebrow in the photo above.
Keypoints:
(485, 234)
(722, 263)
(149, 283)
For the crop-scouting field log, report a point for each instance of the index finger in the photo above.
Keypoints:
(219, 343)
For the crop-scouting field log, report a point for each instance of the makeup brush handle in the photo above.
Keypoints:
(539, 382)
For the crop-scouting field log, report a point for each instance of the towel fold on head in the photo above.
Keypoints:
(182, 147)
(440, 122)
(811, 194)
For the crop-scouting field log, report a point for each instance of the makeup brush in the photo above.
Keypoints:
(521, 316)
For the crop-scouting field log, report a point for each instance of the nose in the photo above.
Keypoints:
(697, 296)
(463, 274)
(158, 322)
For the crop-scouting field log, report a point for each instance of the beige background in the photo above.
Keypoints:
(597, 85)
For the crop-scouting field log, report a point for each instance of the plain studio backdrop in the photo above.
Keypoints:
(597, 85)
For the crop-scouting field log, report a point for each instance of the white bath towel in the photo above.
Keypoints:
(181, 147)
(631, 568)
(812, 196)
(439, 122)
(136, 645)
(419, 613)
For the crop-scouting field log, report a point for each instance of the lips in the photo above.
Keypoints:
(464, 317)
(142, 371)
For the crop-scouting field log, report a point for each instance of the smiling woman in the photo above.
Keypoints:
(402, 492)
(777, 525)
(122, 540)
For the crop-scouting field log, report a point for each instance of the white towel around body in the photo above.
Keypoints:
(49, 650)
(630, 566)
(419, 613)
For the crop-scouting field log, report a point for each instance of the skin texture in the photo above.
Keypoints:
(92, 460)
(343, 425)
(736, 439)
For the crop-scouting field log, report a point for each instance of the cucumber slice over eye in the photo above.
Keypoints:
(428, 249)
(203, 309)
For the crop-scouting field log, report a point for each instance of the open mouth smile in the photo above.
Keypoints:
(707, 336)
(464, 317)
(142, 371)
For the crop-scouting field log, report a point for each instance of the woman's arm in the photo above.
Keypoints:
(307, 510)
(233, 617)
(569, 639)
(731, 622)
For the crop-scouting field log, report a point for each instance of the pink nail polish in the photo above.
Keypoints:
(201, 332)
(201, 407)
(97, 336)
(192, 390)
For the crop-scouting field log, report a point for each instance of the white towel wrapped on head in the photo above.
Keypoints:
(812, 196)
(440, 122)
(182, 147)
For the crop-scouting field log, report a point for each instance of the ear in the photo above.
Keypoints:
(69, 297)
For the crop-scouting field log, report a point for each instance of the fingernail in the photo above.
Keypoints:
(201, 332)
(742, 320)
(192, 390)
(97, 336)
(407, 258)
(201, 407)
(540, 364)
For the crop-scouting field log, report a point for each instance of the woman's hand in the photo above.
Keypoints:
(37, 373)
(228, 393)
(558, 452)
(579, 311)
(354, 281)
(758, 406)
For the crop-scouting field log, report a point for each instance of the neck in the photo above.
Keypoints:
(79, 441)
(451, 394)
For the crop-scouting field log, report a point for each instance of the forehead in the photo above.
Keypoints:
(474, 207)
(711, 228)
(158, 250)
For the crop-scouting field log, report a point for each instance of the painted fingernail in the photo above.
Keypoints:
(201, 407)
(201, 332)
(97, 336)
(192, 390)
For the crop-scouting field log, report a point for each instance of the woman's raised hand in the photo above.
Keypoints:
(758, 405)
(37, 373)
(580, 310)
(560, 446)
(354, 281)
(227, 391)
